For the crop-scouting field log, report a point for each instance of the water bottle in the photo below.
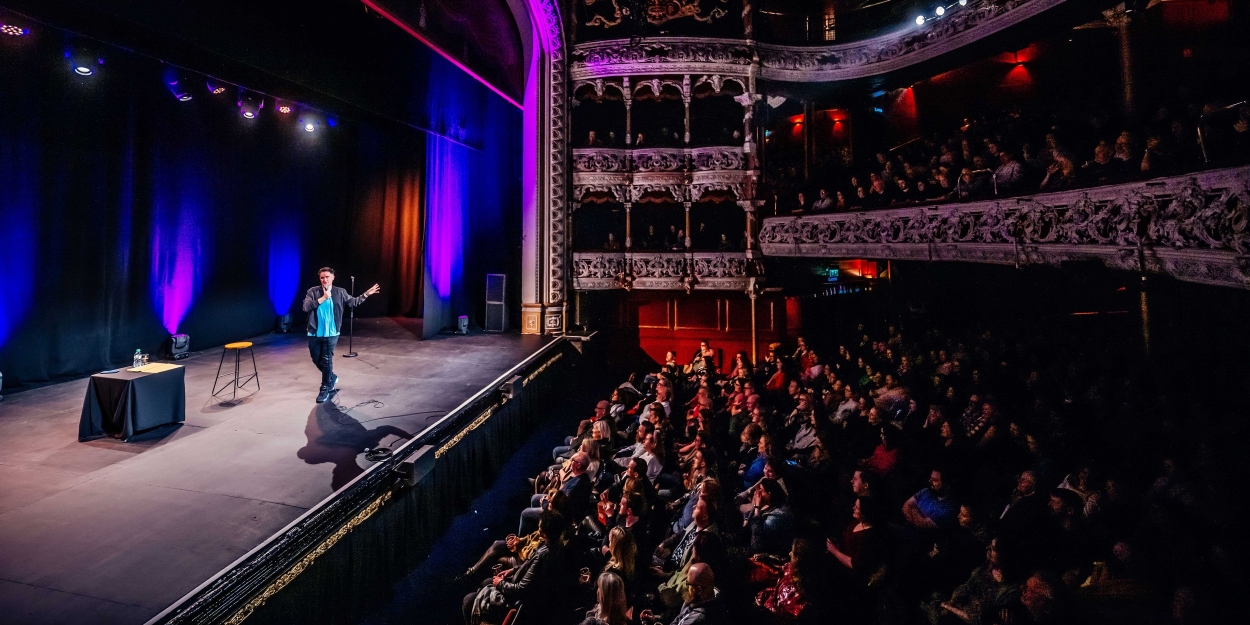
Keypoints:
(138, 359)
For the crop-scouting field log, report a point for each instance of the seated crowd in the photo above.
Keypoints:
(896, 478)
(1024, 152)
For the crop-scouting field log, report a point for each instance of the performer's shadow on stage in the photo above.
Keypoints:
(334, 436)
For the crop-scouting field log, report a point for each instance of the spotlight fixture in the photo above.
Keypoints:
(250, 104)
(282, 106)
(941, 10)
(83, 59)
(215, 87)
(178, 86)
(310, 121)
(13, 31)
(920, 20)
(963, 3)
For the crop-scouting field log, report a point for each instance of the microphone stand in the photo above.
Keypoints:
(351, 324)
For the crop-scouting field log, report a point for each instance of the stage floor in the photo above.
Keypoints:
(113, 532)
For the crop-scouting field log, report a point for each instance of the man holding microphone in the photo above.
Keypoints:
(324, 305)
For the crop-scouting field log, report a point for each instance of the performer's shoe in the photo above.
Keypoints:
(334, 381)
(323, 395)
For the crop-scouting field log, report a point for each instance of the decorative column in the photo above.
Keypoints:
(685, 98)
(628, 94)
(753, 292)
(687, 205)
(808, 108)
(748, 207)
(1120, 18)
(628, 241)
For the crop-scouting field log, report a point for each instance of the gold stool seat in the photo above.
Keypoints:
(235, 378)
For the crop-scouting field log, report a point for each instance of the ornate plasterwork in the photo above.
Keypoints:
(718, 82)
(731, 57)
(660, 270)
(961, 26)
(684, 174)
(1194, 228)
(601, 160)
(659, 159)
(661, 55)
(717, 159)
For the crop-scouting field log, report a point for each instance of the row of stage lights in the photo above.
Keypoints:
(250, 103)
(939, 12)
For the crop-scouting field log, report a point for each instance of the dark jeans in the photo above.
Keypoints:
(322, 350)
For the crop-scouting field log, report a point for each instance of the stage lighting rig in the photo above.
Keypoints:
(250, 104)
(13, 31)
(215, 87)
(282, 106)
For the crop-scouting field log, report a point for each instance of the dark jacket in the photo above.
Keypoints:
(701, 613)
(537, 580)
(338, 295)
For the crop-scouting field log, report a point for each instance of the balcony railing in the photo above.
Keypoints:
(684, 173)
(906, 46)
(661, 270)
(1194, 227)
(654, 160)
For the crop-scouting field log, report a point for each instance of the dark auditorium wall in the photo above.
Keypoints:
(126, 214)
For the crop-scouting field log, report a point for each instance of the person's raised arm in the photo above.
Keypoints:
(358, 300)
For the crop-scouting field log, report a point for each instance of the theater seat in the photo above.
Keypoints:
(510, 619)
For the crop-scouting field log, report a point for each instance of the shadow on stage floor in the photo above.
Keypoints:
(112, 532)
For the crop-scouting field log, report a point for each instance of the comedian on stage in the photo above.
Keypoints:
(324, 305)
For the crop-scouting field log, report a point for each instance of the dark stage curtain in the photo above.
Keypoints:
(387, 235)
(127, 215)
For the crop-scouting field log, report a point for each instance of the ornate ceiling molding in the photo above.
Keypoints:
(1194, 228)
(894, 51)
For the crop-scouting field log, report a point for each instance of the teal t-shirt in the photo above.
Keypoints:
(325, 319)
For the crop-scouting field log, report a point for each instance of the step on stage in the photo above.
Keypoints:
(113, 532)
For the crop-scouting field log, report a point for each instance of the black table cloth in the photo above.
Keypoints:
(127, 402)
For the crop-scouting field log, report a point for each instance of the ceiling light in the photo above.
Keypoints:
(963, 3)
(941, 10)
(215, 87)
(177, 85)
(82, 58)
(12, 31)
(282, 106)
(250, 104)
(309, 127)
(920, 20)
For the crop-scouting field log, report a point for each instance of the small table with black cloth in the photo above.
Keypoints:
(125, 403)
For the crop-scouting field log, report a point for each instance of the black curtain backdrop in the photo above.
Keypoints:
(124, 211)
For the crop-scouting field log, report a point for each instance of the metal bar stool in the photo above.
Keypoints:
(235, 382)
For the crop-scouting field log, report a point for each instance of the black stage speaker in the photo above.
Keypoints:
(496, 309)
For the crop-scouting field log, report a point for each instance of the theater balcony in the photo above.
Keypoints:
(1193, 227)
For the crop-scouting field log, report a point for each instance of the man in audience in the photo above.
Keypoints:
(932, 507)
(701, 605)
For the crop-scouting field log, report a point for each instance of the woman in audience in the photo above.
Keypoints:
(611, 607)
